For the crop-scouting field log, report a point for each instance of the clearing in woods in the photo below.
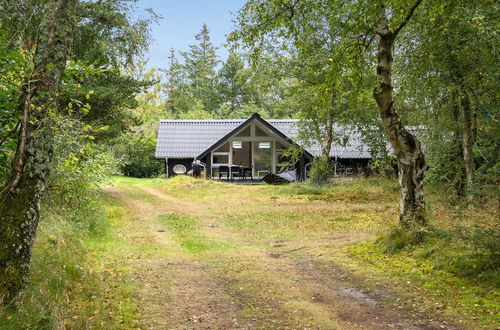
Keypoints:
(209, 255)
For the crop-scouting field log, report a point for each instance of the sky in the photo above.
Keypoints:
(182, 19)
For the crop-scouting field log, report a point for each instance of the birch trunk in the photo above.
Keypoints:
(468, 142)
(326, 145)
(407, 148)
(20, 198)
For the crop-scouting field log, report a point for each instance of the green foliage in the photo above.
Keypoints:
(13, 66)
(199, 69)
(136, 154)
(79, 170)
(113, 101)
(386, 166)
(327, 84)
(73, 225)
(321, 170)
(195, 87)
(447, 72)
(483, 240)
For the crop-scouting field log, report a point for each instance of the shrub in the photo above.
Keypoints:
(399, 238)
(78, 171)
(483, 242)
(137, 156)
(321, 170)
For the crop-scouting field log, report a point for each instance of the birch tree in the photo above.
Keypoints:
(20, 198)
(360, 29)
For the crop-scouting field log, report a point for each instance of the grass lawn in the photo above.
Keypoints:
(195, 253)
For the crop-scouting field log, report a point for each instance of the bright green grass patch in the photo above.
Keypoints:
(124, 180)
(186, 231)
(262, 226)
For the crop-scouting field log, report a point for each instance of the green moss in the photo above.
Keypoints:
(420, 269)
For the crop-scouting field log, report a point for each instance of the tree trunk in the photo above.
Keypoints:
(468, 142)
(407, 147)
(457, 145)
(326, 144)
(20, 198)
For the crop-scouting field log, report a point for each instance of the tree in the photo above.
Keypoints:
(20, 198)
(199, 65)
(175, 82)
(406, 146)
(234, 87)
(356, 24)
(319, 74)
(450, 80)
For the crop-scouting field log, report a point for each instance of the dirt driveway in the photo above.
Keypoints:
(207, 265)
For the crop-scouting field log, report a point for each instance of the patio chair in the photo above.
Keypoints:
(248, 171)
(259, 169)
(236, 171)
(223, 170)
(349, 170)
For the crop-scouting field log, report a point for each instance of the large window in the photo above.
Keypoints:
(263, 157)
(242, 153)
(221, 159)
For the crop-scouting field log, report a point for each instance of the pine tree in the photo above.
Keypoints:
(200, 64)
(233, 85)
(175, 81)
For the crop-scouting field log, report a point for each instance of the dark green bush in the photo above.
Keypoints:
(483, 242)
(78, 171)
(137, 156)
(321, 170)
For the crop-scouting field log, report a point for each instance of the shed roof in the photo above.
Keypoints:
(190, 138)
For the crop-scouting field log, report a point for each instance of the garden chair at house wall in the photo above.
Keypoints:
(248, 171)
(236, 171)
(223, 170)
(262, 169)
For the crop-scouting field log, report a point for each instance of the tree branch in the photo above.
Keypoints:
(407, 18)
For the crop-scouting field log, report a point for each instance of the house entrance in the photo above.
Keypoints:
(254, 149)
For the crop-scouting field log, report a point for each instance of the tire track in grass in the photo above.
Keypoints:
(315, 296)
(176, 291)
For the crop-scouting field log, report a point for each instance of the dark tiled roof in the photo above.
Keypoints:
(190, 138)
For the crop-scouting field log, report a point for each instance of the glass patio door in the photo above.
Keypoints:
(262, 158)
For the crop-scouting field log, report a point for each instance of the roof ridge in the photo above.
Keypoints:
(220, 120)
(199, 120)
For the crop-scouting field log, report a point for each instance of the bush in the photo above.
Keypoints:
(78, 171)
(483, 242)
(399, 238)
(137, 156)
(386, 166)
(321, 170)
